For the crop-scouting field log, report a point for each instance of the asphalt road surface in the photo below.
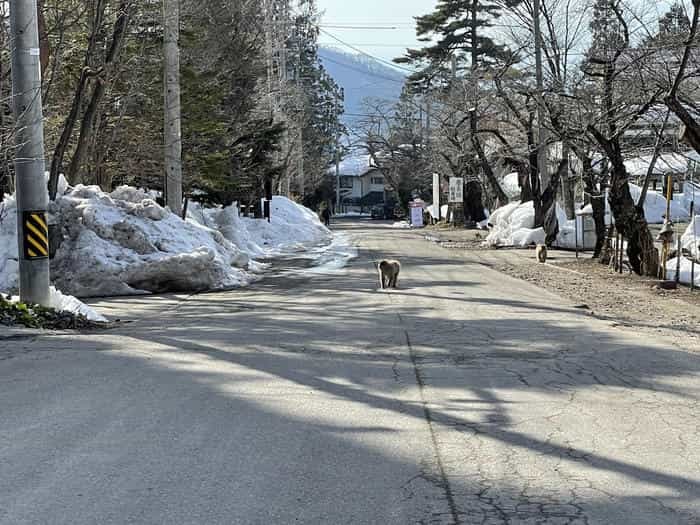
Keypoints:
(463, 397)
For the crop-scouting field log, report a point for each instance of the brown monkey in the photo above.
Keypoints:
(541, 253)
(389, 273)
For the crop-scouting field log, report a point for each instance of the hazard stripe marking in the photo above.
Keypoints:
(39, 220)
(35, 231)
(43, 249)
(36, 235)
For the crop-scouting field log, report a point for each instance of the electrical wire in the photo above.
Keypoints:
(358, 70)
(358, 50)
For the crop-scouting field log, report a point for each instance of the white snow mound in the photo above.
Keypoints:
(293, 227)
(124, 243)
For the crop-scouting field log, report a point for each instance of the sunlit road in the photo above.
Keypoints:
(462, 397)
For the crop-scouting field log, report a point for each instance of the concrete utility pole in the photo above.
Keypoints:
(337, 159)
(32, 195)
(173, 125)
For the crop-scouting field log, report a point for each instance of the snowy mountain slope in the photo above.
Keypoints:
(361, 77)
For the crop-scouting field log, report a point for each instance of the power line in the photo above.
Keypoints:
(358, 50)
(373, 28)
(358, 70)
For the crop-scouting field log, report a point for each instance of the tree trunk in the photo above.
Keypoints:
(549, 203)
(535, 186)
(69, 125)
(501, 197)
(567, 186)
(524, 182)
(473, 202)
(629, 219)
(87, 124)
(691, 133)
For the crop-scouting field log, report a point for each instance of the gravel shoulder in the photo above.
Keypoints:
(624, 299)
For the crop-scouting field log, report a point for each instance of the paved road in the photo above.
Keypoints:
(463, 397)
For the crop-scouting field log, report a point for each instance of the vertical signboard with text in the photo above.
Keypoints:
(436, 196)
(456, 190)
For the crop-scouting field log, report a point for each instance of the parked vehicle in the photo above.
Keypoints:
(383, 212)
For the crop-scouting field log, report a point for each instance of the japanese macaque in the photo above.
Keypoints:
(541, 253)
(389, 273)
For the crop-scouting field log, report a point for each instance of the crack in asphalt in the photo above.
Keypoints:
(443, 482)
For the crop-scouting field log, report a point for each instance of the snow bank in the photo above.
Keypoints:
(513, 225)
(686, 270)
(8, 245)
(67, 303)
(292, 228)
(655, 206)
(124, 243)
(511, 185)
(691, 237)
(444, 210)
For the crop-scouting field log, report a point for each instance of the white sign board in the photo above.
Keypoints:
(416, 217)
(436, 196)
(456, 189)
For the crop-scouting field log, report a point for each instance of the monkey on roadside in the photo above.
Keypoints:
(541, 252)
(389, 273)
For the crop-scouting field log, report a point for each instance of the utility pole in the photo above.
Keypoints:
(173, 115)
(337, 156)
(32, 195)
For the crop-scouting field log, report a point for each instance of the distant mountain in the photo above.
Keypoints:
(361, 77)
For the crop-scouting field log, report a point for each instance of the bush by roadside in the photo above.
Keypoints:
(34, 316)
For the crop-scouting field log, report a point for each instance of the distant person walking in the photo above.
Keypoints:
(326, 216)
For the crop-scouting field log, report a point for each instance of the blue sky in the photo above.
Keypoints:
(385, 44)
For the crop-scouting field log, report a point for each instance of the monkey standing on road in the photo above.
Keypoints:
(541, 253)
(389, 273)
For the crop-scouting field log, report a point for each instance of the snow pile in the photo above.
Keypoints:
(689, 242)
(124, 243)
(9, 265)
(513, 225)
(444, 210)
(655, 206)
(292, 228)
(67, 303)
(511, 185)
(686, 270)
(667, 163)
(691, 237)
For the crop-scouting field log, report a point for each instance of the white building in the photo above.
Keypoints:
(362, 184)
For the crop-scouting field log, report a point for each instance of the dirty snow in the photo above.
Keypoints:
(689, 242)
(124, 243)
(513, 223)
(686, 270)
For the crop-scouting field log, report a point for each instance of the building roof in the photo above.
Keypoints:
(355, 166)
(666, 163)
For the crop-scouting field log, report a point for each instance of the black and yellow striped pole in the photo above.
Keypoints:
(32, 196)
